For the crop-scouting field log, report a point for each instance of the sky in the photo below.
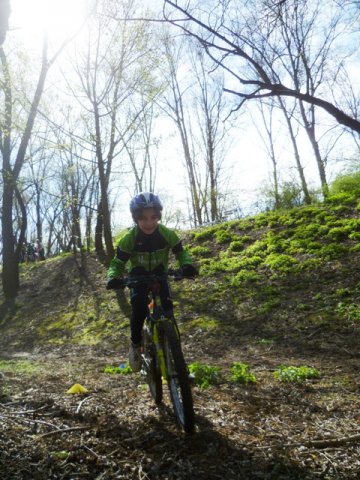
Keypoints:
(250, 167)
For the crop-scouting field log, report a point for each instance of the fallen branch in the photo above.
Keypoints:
(324, 443)
(63, 430)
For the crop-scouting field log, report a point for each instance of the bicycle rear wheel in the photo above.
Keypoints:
(178, 379)
(153, 375)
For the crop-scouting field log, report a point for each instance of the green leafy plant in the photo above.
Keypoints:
(244, 276)
(200, 251)
(123, 369)
(350, 311)
(293, 374)
(223, 236)
(205, 375)
(240, 373)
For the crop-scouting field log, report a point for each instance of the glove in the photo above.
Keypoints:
(189, 271)
(115, 283)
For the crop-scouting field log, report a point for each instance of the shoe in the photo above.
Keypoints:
(135, 359)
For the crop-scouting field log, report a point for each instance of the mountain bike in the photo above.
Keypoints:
(162, 355)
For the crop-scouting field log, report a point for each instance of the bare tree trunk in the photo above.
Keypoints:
(10, 174)
(105, 211)
(4, 19)
(310, 130)
(299, 166)
(23, 224)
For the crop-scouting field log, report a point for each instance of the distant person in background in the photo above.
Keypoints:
(39, 251)
(146, 246)
(23, 252)
(30, 253)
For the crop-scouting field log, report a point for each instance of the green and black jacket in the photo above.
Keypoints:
(148, 251)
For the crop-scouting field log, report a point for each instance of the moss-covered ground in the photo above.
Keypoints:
(277, 290)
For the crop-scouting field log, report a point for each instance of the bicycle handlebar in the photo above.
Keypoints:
(149, 278)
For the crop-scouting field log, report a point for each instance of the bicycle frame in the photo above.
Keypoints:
(162, 354)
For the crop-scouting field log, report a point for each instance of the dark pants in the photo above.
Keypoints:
(140, 309)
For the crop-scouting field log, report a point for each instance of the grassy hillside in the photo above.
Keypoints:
(290, 276)
(277, 291)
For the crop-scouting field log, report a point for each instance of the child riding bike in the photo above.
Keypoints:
(147, 247)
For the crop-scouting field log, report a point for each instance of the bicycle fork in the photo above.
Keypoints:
(159, 351)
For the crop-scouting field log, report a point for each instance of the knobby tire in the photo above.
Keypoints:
(153, 374)
(178, 379)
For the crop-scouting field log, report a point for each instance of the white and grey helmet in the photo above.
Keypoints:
(144, 200)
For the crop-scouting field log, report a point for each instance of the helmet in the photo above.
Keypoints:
(145, 200)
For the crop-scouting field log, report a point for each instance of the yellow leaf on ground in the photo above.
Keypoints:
(77, 388)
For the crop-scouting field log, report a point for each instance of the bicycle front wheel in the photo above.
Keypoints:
(178, 379)
(150, 365)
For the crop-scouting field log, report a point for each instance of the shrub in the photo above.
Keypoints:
(205, 375)
(295, 374)
(240, 373)
(341, 198)
(347, 185)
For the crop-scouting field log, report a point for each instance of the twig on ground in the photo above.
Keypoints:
(81, 404)
(63, 430)
(326, 442)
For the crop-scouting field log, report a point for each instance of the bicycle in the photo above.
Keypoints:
(162, 354)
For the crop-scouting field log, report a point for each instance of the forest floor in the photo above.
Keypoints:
(268, 430)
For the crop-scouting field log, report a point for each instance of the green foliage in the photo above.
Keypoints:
(290, 195)
(205, 234)
(280, 262)
(223, 236)
(295, 374)
(341, 198)
(346, 186)
(339, 233)
(244, 276)
(200, 251)
(332, 251)
(123, 369)
(349, 311)
(24, 367)
(205, 375)
(240, 373)
(238, 244)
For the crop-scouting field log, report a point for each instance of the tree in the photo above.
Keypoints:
(225, 41)
(11, 171)
(195, 103)
(14, 154)
(4, 19)
(111, 70)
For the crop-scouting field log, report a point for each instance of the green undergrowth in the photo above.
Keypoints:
(23, 367)
(206, 375)
(275, 275)
(269, 256)
(293, 374)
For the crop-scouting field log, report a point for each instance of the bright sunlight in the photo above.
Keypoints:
(60, 19)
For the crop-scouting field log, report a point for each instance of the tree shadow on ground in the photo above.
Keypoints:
(162, 452)
(7, 310)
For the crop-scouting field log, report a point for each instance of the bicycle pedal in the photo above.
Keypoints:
(191, 378)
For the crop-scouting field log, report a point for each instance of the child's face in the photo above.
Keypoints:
(148, 220)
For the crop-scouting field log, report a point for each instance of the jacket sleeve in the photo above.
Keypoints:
(123, 253)
(181, 254)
